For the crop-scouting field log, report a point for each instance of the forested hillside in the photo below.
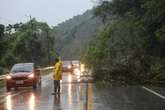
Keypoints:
(132, 47)
(73, 35)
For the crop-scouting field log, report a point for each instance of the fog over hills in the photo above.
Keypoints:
(73, 35)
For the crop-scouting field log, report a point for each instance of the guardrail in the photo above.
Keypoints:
(47, 68)
(2, 77)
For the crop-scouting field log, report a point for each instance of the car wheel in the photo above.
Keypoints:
(34, 86)
(16, 88)
(8, 89)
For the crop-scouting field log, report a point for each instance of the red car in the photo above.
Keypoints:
(23, 75)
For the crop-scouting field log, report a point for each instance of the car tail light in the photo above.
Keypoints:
(31, 76)
(8, 77)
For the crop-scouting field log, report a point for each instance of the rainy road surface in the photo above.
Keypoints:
(83, 96)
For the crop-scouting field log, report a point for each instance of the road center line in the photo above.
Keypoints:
(153, 92)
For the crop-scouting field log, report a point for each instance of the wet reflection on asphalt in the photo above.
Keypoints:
(80, 96)
(57, 102)
(73, 96)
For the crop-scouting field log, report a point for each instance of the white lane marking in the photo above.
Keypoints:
(153, 92)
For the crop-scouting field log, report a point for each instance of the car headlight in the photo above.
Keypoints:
(8, 77)
(69, 67)
(31, 76)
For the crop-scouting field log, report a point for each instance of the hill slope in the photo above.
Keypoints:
(72, 36)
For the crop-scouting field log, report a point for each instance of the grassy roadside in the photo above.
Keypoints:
(2, 83)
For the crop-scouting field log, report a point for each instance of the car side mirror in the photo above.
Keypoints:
(7, 72)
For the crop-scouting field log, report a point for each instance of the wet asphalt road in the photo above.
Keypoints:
(82, 96)
(72, 97)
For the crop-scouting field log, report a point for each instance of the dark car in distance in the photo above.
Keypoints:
(23, 75)
(76, 63)
(67, 66)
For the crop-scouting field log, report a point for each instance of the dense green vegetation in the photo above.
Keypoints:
(130, 47)
(26, 42)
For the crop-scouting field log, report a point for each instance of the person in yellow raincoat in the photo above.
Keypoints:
(57, 75)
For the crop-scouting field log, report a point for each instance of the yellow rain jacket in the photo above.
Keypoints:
(57, 74)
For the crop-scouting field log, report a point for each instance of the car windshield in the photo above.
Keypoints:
(22, 68)
(66, 63)
(75, 62)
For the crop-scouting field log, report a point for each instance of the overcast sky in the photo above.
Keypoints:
(51, 11)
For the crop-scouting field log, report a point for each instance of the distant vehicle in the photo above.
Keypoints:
(23, 75)
(76, 63)
(67, 66)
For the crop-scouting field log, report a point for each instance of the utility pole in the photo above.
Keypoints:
(32, 59)
(48, 45)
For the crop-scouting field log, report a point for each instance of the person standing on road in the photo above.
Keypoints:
(57, 75)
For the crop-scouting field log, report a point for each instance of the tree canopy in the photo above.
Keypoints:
(26, 42)
(131, 45)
